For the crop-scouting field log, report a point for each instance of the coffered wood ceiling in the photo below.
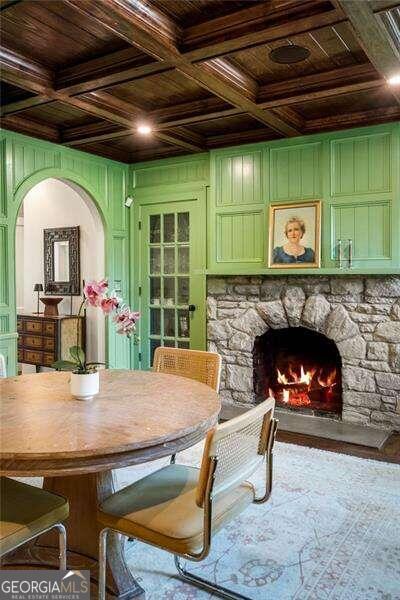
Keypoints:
(85, 73)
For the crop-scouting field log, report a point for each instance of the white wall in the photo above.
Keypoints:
(55, 203)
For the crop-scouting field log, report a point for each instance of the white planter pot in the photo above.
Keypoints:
(84, 387)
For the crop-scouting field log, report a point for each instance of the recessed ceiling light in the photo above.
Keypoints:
(144, 129)
(395, 80)
(285, 55)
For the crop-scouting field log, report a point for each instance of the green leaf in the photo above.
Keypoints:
(77, 354)
(64, 365)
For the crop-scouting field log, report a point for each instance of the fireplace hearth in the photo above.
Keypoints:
(300, 368)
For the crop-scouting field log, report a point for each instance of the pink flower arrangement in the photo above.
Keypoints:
(95, 293)
(94, 290)
(125, 320)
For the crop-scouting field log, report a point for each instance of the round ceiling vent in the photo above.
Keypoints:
(285, 55)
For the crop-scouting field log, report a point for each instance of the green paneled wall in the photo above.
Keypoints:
(24, 162)
(354, 173)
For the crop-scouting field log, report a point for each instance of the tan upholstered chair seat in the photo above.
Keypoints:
(26, 511)
(161, 509)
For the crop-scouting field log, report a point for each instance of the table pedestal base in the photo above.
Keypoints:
(84, 493)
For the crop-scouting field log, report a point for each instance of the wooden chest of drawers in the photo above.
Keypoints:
(42, 340)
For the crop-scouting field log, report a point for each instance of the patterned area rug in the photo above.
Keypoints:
(331, 530)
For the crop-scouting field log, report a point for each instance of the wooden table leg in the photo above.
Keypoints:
(84, 493)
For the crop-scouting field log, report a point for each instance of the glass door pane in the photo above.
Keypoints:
(168, 268)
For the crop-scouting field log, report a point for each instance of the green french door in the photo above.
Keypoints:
(172, 277)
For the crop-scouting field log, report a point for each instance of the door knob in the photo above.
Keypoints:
(192, 307)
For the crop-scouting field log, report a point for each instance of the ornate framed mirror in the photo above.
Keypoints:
(62, 261)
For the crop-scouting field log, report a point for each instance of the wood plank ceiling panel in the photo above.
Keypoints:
(54, 34)
(198, 71)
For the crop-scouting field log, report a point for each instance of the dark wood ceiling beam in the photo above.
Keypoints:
(313, 19)
(290, 115)
(183, 138)
(31, 127)
(99, 104)
(211, 82)
(25, 73)
(365, 117)
(324, 93)
(317, 81)
(94, 132)
(7, 3)
(373, 38)
(118, 111)
(192, 112)
(233, 76)
(110, 70)
(213, 108)
(21, 105)
(120, 17)
(379, 6)
(136, 23)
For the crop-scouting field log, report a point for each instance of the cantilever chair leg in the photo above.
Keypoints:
(62, 540)
(199, 582)
(102, 563)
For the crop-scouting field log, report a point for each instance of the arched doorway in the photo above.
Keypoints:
(55, 202)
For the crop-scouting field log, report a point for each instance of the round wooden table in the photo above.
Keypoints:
(138, 416)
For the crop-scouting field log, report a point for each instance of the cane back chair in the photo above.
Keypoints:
(194, 364)
(178, 508)
(26, 512)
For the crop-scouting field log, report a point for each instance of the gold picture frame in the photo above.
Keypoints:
(289, 224)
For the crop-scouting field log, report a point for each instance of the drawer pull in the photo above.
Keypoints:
(33, 342)
(33, 326)
(33, 357)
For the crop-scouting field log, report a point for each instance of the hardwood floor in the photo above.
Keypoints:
(390, 452)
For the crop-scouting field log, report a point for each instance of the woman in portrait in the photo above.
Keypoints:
(293, 251)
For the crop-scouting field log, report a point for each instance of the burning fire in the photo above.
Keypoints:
(295, 386)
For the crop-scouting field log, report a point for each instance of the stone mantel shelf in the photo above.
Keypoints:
(293, 272)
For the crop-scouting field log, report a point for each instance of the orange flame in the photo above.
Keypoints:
(299, 396)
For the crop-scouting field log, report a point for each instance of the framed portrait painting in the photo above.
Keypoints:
(294, 235)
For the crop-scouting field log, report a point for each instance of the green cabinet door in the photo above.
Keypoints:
(172, 277)
(361, 234)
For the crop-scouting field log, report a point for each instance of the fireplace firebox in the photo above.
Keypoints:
(300, 368)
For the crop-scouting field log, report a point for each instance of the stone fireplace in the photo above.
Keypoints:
(342, 330)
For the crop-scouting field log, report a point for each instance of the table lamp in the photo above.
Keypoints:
(38, 287)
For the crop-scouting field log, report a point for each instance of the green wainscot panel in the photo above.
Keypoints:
(238, 177)
(168, 173)
(8, 348)
(296, 172)
(3, 197)
(362, 229)
(3, 266)
(119, 346)
(116, 186)
(30, 156)
(240, 237)
(361, 164)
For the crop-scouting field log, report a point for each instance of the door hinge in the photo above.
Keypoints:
(140, 290)
(140, 225)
